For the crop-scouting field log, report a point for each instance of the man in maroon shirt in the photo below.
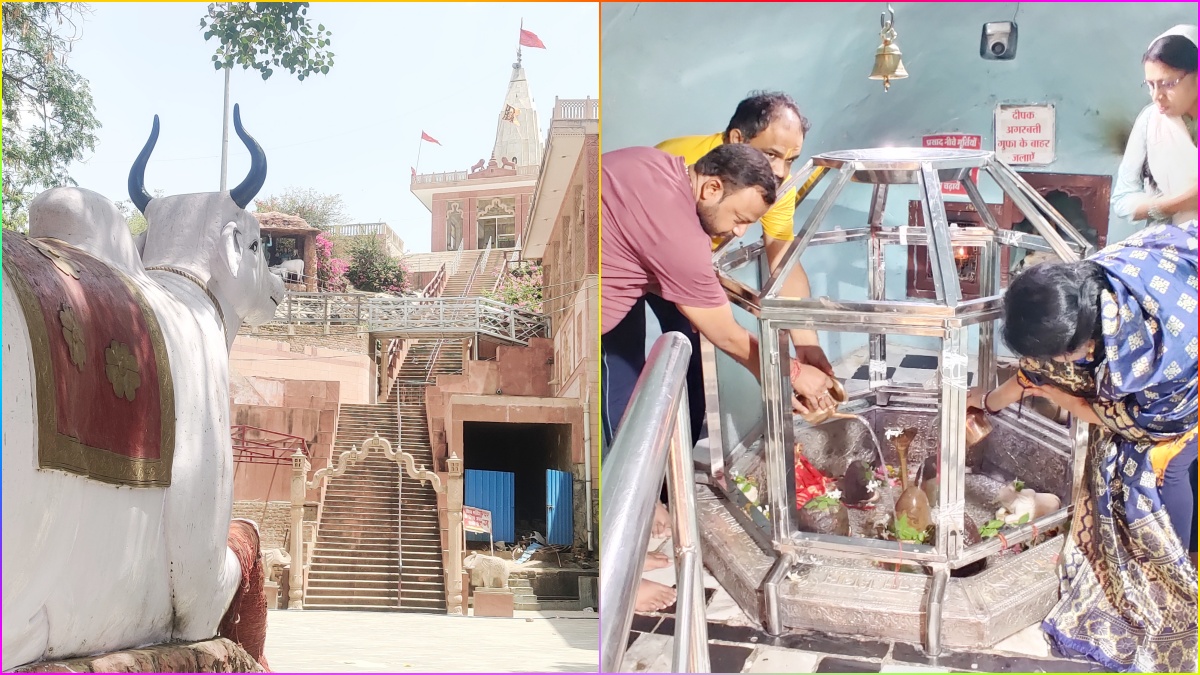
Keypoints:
(658, 217)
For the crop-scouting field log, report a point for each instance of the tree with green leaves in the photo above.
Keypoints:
(49, 118)
(373, 270)
(318, 209)
(134, 218)
(264, 36)
(521, 287)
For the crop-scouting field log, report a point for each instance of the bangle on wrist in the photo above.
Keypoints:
(987, 408)
(1154, 213)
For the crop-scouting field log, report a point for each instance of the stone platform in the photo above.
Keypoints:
(210, 656)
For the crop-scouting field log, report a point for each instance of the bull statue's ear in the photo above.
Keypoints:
(231, 247)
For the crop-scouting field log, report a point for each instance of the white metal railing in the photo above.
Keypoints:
(391, 239)
(414, 316)
(453, 269)
(654, 437)
(479, 265)
(576, 109)
(455, 176)
(440, 177)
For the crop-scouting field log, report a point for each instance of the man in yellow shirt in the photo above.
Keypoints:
(771, 123)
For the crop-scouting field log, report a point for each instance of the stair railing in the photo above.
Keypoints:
(654, 438)
(475, 270)
(399, 512)
(437, 284)
(457, 260)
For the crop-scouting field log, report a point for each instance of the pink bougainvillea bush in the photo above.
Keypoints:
(331, 271)
(521, 287)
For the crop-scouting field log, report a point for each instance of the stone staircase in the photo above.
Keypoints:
(379, 543)
(456, 285)
(416, 364)
(422, 577)
(524, 598)
(356, 562)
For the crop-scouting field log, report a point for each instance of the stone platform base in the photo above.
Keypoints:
(211, 656)
(493, 602)
(978, 611)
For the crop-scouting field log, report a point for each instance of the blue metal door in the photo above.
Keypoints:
(494, 491)
(560, 512)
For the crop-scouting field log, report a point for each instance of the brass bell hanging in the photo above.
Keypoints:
(888, 65)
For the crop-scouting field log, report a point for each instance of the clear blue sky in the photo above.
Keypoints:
(399, 68)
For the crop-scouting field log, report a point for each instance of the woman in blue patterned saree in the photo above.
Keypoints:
(1112, 340)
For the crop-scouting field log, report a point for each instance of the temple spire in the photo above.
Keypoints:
(518, 137)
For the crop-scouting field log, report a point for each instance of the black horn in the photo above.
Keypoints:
(137, 174)
(243, 193)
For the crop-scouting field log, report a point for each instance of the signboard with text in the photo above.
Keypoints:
(477, 520)
(1025, 134)
(957, 142)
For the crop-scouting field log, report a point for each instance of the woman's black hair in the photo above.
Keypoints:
(1173, 51)
(1053, 308)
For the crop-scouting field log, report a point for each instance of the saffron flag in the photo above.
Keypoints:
(427, 137)
(528, 39)
(510, 114)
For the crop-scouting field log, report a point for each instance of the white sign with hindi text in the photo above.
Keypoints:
(477, 520)
(1025, 134)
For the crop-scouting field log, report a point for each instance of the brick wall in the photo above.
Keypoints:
(273, 518)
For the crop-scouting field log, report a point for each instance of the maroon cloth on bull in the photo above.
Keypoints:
(246, 621)
(89, 325)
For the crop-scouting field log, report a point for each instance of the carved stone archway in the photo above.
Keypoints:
(452, 488)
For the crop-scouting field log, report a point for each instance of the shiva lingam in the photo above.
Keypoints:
(913, 503)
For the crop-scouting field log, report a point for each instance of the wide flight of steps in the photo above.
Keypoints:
(356, 562)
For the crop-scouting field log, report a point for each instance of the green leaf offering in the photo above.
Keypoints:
(904, 531)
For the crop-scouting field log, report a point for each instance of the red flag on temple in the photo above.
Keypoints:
(528, 39)
(414, 170)
(427, 137)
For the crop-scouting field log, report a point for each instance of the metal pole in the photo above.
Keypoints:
(633, 474)
(771, 617)
(933, 622)
(691, 631)
(877, 290)
(225, 134)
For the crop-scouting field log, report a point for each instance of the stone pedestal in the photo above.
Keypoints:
(493, 602)
(210, 656)
(589, 593)
(271, 589)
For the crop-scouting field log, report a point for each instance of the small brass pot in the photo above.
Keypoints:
(836, 392)
(978, 426)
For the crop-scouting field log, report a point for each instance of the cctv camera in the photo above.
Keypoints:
(999, 41)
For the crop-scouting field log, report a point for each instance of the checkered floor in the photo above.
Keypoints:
(737, 644)
(906, 365)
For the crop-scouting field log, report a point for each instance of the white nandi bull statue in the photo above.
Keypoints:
(118, 466)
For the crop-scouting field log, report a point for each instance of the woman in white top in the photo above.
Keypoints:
(1157, 178)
